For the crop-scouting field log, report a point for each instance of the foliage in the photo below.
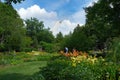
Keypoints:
(46, 36)
(12, 32)
(114, 53)
(88, 71)
(52, 71)
(102, 24)
(78, 68)
(79, 40)
(33, 27)
(37, 32)
(48, 47)
(103, 21)
(14, 58)
(59, 37)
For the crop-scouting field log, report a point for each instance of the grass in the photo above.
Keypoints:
(22, 66)
(20, 71)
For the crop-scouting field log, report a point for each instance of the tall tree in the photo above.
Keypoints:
(36, 30)
(46, 36)
(79, 40)
(103, 20)
(59, 37)
(12, 33)
(33, 28)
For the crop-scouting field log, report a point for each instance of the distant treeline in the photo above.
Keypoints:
(101, 28)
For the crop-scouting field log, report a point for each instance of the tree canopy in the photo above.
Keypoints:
(12, 32)
(102, 20)
(37, 32)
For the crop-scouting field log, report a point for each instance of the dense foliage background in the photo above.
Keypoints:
(102, 26)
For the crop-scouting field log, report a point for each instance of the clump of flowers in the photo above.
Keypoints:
(75, 53)
(78, 56)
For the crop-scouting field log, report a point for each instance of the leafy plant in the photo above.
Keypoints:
(114, 52)
(66, 69)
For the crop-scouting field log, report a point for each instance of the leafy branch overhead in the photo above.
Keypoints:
(9, 2)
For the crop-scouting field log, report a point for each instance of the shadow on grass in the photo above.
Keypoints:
(14, 76)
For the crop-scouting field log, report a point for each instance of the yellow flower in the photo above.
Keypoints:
(74, 64)
(103, 59)
(78, 61)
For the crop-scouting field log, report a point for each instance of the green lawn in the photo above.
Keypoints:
(20, 71)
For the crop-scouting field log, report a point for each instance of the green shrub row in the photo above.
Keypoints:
(62, 69)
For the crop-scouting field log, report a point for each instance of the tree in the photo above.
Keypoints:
(46, 36)
(33, 27)
(103, 20)
(79, 40)
(59, 37)
(36, 30)
(12, 31)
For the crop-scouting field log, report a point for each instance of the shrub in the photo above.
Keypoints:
(53, 69)
(48, 47)
(114, 52)
(65, 69)
(13, 58)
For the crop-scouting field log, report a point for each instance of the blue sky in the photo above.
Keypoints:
(70, 12)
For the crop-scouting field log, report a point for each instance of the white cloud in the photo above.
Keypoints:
(79, 17)
(50, 19)
(64, 26)
(91, 3)
(37, 12)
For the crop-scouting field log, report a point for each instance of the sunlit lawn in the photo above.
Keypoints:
(29, 64)
(20, 71)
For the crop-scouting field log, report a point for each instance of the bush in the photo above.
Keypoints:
(13, 58)
(53, 69)
(114, 52)
(48, 47)
(63, 69)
